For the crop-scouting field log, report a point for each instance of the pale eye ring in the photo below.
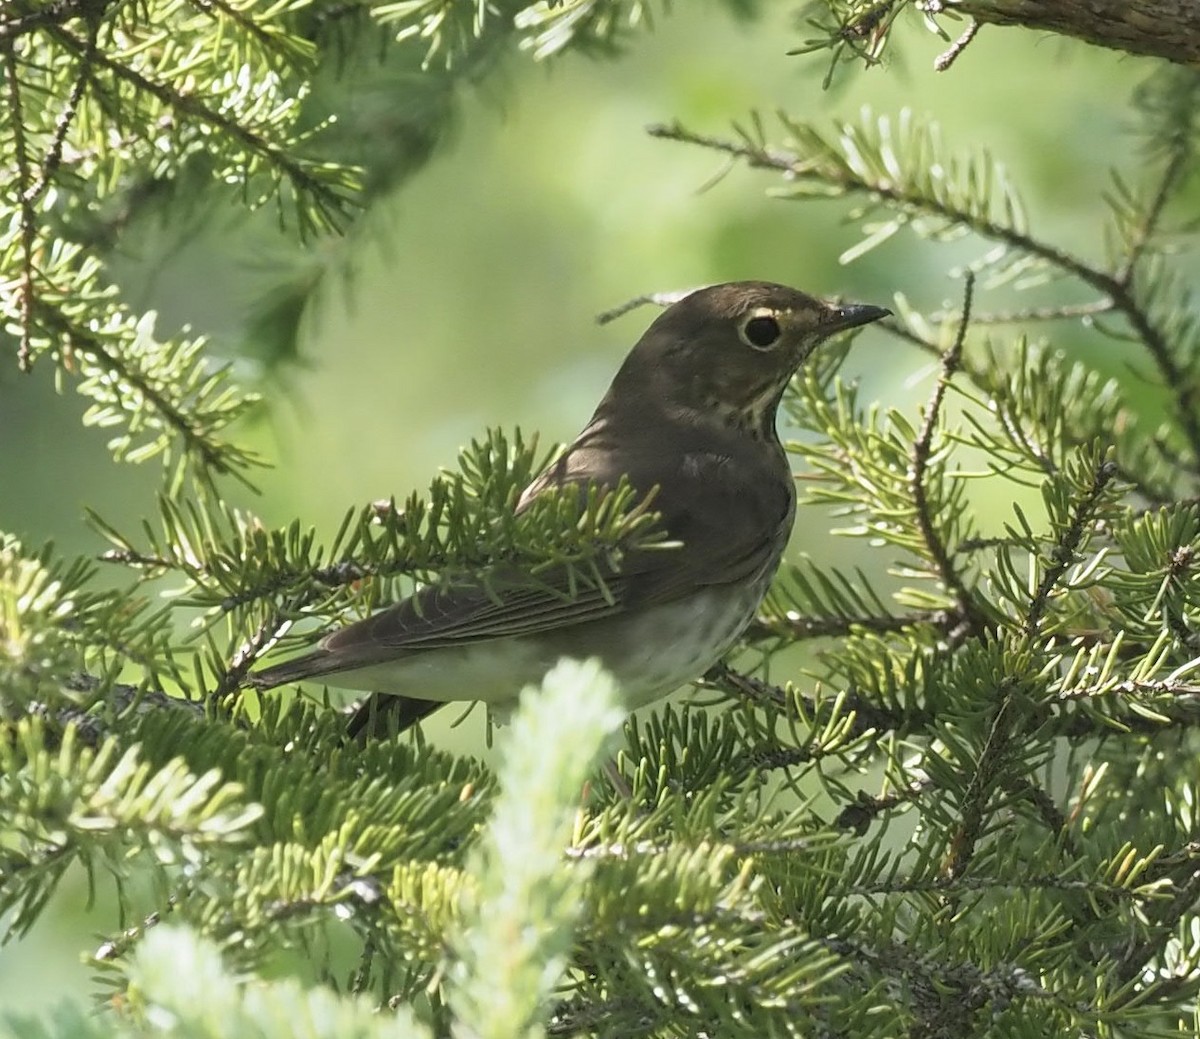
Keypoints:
(760, 330)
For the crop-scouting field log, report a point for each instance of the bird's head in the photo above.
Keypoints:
(726, 352)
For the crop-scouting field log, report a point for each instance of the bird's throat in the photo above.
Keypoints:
(752, 415)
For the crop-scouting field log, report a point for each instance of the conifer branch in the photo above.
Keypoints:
(330, 203)
(511, 947)
(825, 163)
(1065, 551)
(948, 995)
(195, 431)
(62, 124)
(944, 886)
(979, 790)
(1004, 726)
(119, 698)
(868, 716)
(1139, 239)
(919, 463)
(984, 375)
(1148, 707)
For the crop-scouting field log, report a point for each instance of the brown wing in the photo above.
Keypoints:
(729, 525)
(448, 615)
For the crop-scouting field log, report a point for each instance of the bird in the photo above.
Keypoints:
(689, 422)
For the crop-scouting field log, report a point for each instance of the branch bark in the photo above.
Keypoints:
(1162, 28)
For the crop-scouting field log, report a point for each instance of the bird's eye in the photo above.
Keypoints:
(761, 331)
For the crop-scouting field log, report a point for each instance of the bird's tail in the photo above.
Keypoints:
(375, 717)
(379, 716)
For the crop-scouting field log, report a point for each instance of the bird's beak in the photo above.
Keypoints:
(851, 316)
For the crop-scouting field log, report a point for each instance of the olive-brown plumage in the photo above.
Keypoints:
(690, 416)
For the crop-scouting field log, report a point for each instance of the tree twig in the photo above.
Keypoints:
(919, 463)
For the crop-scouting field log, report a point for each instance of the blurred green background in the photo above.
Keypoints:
(472, 292)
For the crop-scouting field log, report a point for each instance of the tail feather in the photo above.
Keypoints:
(380, 716)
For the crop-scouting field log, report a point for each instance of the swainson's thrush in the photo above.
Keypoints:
(689, 416)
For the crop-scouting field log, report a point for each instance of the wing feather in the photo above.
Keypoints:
(726, 536)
